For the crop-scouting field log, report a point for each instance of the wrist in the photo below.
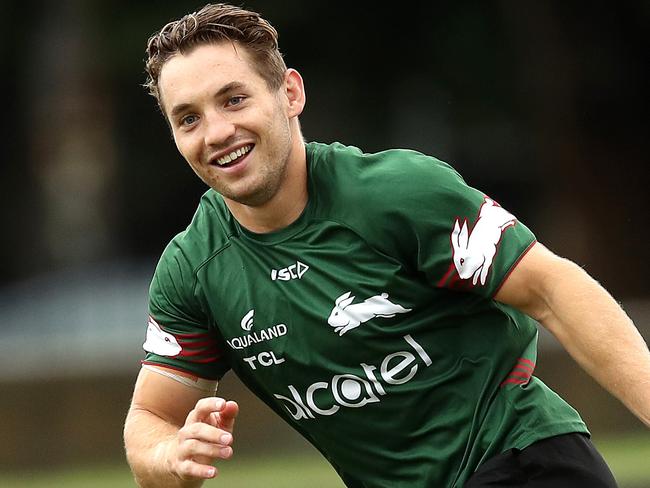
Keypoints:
(163, 459)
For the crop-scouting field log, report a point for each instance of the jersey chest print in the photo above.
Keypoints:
(345, 315)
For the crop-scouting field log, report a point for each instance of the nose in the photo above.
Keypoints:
(217, 128)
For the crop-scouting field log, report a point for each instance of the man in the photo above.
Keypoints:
(376, 302)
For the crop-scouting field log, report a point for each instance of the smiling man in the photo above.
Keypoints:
(376, 302)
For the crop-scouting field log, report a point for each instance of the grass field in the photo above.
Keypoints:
(270, 472)
(629, 458)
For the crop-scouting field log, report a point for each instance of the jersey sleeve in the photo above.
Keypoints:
(464, 239)
(429, 218)
(179, 335)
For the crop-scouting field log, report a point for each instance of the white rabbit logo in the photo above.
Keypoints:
(474, 251)
(346, 316)
(160, 342)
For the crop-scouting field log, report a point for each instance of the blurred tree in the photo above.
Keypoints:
(72, 141)
(582, 81)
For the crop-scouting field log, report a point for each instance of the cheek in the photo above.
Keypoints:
(188, 149)
(278, 126)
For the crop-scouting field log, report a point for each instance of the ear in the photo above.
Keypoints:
(344, 303)
(454, 235)
(463, 238)
(295, 91)
(342, 297)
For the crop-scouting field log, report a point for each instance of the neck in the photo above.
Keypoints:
(286, 205)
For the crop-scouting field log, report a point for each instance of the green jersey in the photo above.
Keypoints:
(368, 324)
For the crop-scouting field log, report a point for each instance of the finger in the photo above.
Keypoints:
(203, 432)
(204, 452)
(190, 469)
(225, 419)
(204, 408)
(208, 461)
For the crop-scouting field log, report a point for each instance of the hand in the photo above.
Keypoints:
(205, 438)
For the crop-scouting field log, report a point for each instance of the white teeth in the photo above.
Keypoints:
(233, 155)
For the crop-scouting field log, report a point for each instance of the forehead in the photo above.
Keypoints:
(205, 69)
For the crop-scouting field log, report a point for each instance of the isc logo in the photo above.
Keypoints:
(295, 271)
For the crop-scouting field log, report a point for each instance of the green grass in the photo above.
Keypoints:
(629, 458)
(268, 472)
(99, 477)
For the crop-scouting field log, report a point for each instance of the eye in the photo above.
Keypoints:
(234, 101)
(462, 261)
(189, 120)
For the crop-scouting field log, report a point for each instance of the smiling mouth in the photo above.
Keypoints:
(232, 158)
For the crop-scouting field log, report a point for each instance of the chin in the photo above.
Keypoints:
(249, 198)
(252, 200)
(254, 193)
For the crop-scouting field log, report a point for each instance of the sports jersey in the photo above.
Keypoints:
(368, 324)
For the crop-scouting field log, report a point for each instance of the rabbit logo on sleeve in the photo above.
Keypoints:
(474, 251)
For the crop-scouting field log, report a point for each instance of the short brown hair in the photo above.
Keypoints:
(217, 23)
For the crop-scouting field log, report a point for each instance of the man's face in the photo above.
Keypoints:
(232, 130)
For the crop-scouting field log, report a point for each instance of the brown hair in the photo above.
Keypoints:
(217, 23)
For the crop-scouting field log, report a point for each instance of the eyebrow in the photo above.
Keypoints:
(233, 85)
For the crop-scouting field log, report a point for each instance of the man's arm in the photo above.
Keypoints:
(587, 321)
(173, 434)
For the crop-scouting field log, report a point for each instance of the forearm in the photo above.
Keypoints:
(148, 440)
(599, 336)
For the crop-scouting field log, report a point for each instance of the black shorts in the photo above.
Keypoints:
(564, 461)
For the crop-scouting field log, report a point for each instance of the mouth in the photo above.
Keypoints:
(232, 158)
